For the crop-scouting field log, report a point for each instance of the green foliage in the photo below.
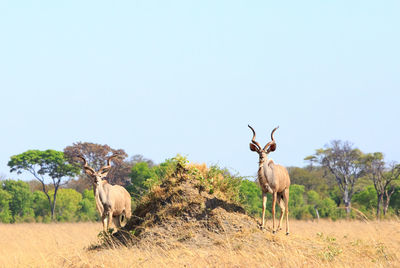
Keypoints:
(313, 198)
(251, 197)
(297, 207)
(316, 179)
(5, 213)
(21, 200)
(87, 210)
(221, 180)
(68, 204)
(366, 200)
(335, 195)
(144, 177)
(49, 162)
(395, 201)
(328, 209)
(141, 175)
(41, 207)
(313, 190)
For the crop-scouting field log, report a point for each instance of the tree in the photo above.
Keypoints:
(343, 161)
(316, 179)
(383, 178)
(374, 167)
(20, 202)
(44, 165)
(96, 155)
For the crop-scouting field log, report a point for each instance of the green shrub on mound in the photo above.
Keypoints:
(192, 204)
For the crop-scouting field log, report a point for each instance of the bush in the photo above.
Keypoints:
(87, 207)
(5, 213)
(41, 206)
(20, 203)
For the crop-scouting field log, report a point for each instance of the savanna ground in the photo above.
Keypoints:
(310, 244)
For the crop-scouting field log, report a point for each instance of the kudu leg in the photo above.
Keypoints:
(286, 199)
(104, 221)
(274, 195)
(117, 221)
(264, 204)
(281, 204)
(110, 217)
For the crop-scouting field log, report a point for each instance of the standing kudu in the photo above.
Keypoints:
(112, 201)
(273, 179)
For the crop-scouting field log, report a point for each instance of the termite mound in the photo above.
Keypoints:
(192, 206)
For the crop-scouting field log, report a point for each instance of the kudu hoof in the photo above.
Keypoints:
(274, 232)
(287, 233)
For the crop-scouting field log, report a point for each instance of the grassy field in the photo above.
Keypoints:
(310, 244)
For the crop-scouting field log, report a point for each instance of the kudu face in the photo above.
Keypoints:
(262, 152)
(98, 176)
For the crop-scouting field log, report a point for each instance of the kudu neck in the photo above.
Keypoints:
(262, 161)
(99, 191)
(97, 188)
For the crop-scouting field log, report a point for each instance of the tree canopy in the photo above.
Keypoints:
(44, 166)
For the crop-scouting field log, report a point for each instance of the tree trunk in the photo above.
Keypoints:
(378, 206)
(387, 201)
(385, 208)
(53, 206)
(48, 198)
(316, 212)
(347, 201)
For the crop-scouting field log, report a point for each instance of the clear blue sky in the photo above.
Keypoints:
(159, 78)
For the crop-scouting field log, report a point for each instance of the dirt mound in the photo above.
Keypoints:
(182, 210)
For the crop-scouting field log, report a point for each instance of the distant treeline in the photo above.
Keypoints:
(338, 178)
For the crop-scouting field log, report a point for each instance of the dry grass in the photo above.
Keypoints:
(311, 244)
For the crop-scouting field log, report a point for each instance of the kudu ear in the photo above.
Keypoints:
(253, 147)
(271, 148)
(105, 170)
(88, 171)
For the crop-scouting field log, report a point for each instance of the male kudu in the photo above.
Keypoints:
(112, 201)
(273, 179)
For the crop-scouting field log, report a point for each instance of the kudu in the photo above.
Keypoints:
(273, 179)
(112, 201)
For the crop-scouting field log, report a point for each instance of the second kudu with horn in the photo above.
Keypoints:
(112, 201)
(273, 179)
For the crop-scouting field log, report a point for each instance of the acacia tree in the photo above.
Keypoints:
(383, 177)
(96, 155)
(44, 165)
(343, 161)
